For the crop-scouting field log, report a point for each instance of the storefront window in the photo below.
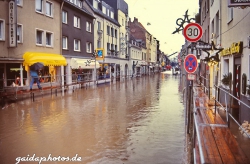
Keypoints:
(81, 75)
(47, 74)
(103, 72)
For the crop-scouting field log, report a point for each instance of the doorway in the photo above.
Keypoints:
(236, 87)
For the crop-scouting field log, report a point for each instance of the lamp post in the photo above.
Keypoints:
(95, 72)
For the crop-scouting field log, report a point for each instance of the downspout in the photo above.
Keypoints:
(62, 67)
(220, 28)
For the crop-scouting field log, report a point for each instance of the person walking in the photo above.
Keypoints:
(34, 78)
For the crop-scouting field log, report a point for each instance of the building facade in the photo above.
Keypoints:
(78, 42)
(26, 39)
(235, 58)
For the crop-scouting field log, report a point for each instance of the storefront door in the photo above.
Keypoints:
(236, 86)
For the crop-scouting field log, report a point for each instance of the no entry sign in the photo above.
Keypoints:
(192, 32)
(190, 63)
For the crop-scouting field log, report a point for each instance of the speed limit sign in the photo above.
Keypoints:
(192, 32)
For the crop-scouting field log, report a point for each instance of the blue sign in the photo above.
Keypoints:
(190, 63)
(99, 53)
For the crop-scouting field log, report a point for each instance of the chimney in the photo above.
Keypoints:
(135, 20)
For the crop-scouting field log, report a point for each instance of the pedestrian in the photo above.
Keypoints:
(79, 78)
(34, 78)
(112, 71)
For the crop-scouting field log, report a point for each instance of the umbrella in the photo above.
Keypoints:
(37, 66)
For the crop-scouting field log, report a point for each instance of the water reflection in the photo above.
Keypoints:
(135, 121)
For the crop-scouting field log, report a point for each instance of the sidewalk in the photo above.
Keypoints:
(213, 140)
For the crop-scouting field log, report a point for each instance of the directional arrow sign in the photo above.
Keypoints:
(190, 63)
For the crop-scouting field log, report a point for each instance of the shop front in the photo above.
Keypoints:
(50, 73)
(233, 62)
(82, 70)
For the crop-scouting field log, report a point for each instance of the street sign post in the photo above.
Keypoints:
(190, 63)
(192, 32)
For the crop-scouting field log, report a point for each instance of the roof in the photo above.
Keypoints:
(83, 9)
(96, 11)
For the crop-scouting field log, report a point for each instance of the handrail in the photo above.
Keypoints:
(229, 113)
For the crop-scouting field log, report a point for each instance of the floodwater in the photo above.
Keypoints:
(136, 121)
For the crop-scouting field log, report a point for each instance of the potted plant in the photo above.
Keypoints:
(226, 79)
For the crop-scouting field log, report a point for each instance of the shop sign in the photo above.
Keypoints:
(204, 46)
(237, 3)
(12, 24)
(236, 48)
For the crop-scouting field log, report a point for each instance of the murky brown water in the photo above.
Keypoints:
(140, 121)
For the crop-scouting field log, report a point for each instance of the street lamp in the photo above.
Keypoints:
(94, 55)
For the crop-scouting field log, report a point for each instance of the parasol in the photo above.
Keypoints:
(36, 66)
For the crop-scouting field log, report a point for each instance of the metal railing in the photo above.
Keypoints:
(64, 82)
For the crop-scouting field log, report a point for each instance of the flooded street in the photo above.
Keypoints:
(138, 121)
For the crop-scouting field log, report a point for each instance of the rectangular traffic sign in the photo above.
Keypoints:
(191, 76)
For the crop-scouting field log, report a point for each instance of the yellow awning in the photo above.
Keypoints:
(84, 63)
(46, 58)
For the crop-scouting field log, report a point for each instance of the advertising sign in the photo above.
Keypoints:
(237, 3)
(12, 24)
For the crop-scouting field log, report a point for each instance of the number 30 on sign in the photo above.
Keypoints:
(192, 32)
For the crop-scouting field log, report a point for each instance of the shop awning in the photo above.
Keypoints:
(46, 58)
(84, 63)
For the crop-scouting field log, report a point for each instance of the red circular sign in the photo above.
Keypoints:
(192, 32)
(190, 63)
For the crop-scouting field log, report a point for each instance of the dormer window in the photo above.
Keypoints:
(108, 12)
(95, 4)
(112, 14)
(104, 9)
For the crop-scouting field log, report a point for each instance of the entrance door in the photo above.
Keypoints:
(1, 77)
(236, 87)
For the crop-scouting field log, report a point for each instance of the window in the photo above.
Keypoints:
(99, 25)
(112, 47)
(19, 2)
(95, 4)
(76, 22)
(115, 48)
(77, 44)
(123, 22)
(64, 17)
(88, 47)
(65, 42)
(39, 37)
(98, 44)
(49, 39)
(19, 33)
(112, 31)
(48, 8)
(108, 46)
(108, 30)
(115, 33)
(112, 14)
(108, 12)
(39, 6)
(2, 30)
(230, 14)
(104, 9)
(88, 26)
(78, 3)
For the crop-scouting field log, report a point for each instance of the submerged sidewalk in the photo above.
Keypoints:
(213, 141)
